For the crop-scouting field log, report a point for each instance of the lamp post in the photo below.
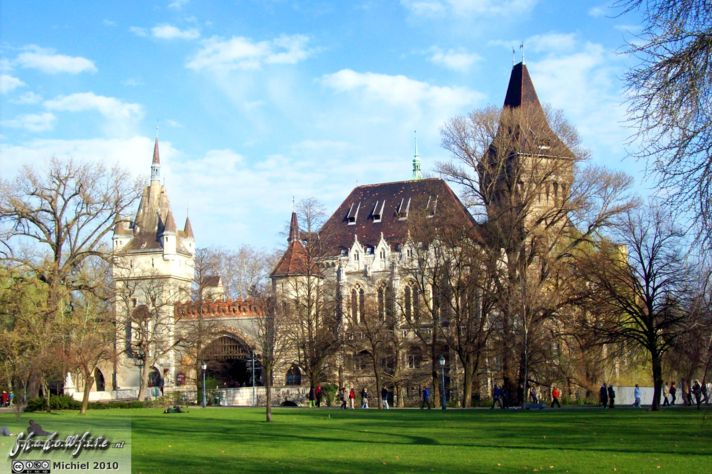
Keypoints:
(443, 401)
(254, 394)
(204, 367)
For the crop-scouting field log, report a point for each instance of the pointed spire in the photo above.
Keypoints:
(416, 158)
(156, 163)
(293, 228)
(170, 223)
(188, 229)
(520, 91)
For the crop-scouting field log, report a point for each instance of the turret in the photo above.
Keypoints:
(168, 236)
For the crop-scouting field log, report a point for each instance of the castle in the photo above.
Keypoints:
(362, 263)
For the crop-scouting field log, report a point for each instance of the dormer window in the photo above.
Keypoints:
(431, 206)
(377, 212)
(403, 208)
(356, 256)
(353, 214)
(382, 254)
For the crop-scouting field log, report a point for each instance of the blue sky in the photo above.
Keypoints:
(259, 101)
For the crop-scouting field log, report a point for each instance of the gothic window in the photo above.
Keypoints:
(354, 305)
(99, 380)
(294, 376)
(382, 302)
(361, 304)
(408, 303)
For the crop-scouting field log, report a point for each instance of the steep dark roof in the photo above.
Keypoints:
(520, 91)
(389, 209)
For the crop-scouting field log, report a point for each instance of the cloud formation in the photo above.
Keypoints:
(121, 117)
(242, 53)
(40, 122)
(9, 83)
(170, 32)
(49, 62)
(469, 8)
(456, 60)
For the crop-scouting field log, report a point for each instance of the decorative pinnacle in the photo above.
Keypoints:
(416, 158)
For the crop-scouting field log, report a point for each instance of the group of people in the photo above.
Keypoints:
(696, 393)
(7, 399)
(500, 396)
(607, 396)
(346, 397)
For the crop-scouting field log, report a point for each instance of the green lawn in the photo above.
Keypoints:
(328, 440)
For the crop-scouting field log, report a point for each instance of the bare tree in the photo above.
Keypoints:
(272, 336)
(520, 168)
(670, 101)
(636, 289)
(65, 216)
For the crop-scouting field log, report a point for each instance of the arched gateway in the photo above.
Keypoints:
(229, 363)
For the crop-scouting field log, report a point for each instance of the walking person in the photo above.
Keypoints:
(673, 391)
(426, 398)
(317, 393)
(12, 397)
(666, 393)
(343, 396)
(533, 395)
(352, 397)
(364, 398)
(636, 396)
(697, 392)
(312, 396)
(384, 398)
(555, 394)
(496, 396)
(611, 396)
(603, 395)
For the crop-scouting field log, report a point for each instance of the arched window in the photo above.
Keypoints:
(361, 305)
(408, 303)
(354, 305)
(99, 380)
(294, 376)
(382, 302)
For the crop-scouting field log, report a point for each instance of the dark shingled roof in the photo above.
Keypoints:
(520, 91)
(359, 213)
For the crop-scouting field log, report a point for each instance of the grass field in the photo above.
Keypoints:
(302, 440)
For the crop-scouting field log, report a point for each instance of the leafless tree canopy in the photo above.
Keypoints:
(671, 101)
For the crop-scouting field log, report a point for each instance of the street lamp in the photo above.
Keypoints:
(204, 367)
(254, 394)
(442, 386)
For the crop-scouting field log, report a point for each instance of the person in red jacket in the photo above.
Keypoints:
(555, 394)
(352, 397)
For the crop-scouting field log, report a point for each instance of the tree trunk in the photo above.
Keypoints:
(88, 382)
(467, 383)
(143, 384)
(268, 394)
(657, 379)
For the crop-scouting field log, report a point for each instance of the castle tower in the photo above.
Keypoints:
(153, 267)
(528, 168)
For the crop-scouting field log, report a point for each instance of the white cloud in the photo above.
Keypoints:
(396, 90)
(550, 42)
(598, 11)
(28, 98)
(9, 83)
(121, 117)
(169, 32)
(242, 53)
(32, 122)
(457, 60)
(467, 8)
(138, 31)
(47, 61)
(178, 4)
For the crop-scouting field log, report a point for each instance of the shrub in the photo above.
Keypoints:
(328, 391)
(56, 402)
